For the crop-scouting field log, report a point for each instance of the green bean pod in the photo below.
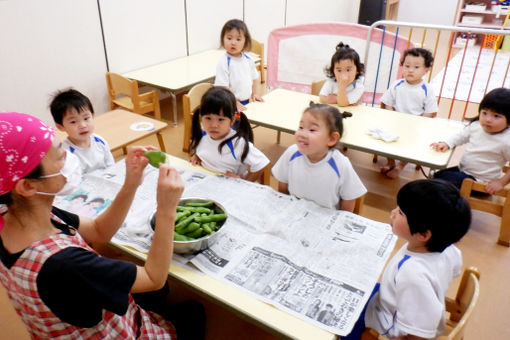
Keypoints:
(185, 222)
(211, 218)
(199, 204)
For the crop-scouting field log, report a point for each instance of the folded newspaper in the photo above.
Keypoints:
(316, 263)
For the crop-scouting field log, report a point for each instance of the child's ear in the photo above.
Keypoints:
(60, 127)
(333, 139)
(425, 236)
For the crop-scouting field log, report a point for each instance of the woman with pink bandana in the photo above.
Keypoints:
(60, 287)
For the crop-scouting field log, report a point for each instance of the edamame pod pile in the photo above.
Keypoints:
(156, 157)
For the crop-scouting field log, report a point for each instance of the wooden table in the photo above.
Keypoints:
(180, 74)
(277, 322)
(282, 109)
(121, 128)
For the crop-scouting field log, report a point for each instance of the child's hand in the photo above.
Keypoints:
(231, 174)
(240, 107)
(494, 186)
(256, 98)
(195, 160)
(343, 80)
(135, 164)
(440, 146)
(170, 188)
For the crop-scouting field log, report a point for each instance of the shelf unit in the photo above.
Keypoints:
(470, 16)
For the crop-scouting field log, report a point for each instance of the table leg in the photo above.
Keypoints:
(161, 142)
(174, 107)
(278, 134)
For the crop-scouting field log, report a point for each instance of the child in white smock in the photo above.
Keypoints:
(344, 85)
(236, 69)
(218, 147)
(411, 95)
(488, 150)
(73, 113)
(410, 300)
(313, 168)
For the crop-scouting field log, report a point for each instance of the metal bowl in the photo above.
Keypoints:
(194, 246)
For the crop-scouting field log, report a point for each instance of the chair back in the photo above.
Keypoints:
(358, 205)
(258, 48)
(190, 102)
(317, 86)
(462, 307)
(497, 204)
(123, 92)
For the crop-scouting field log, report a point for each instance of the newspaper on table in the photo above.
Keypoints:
(318, 264)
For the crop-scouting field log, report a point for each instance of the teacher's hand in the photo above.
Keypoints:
(135, 164)
(170, 188)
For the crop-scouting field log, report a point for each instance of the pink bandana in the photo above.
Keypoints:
(24, 141)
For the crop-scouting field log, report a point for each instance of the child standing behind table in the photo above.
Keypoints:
(344, 85)
(73, 113)
(411, 95)
(488, 149)
(410, 300)
(236, 69)
(218, 147)
(313, 168)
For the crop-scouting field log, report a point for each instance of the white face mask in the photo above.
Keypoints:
(72, 172)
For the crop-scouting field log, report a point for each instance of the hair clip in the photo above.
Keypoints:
(238, 114)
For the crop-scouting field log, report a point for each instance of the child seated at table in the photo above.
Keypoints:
(344, 85)
(488, 149)
(411, 95)
(218, 147)
(73, 113)
(313, 168)
(431, 216)
(236, 70)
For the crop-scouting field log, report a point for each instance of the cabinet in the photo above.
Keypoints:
(479, 14)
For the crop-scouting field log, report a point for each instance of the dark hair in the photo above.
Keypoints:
(330, 114)
(67, 99)
(80, 196)
(222, 102)
(418, 52)
(435, 205)
(236, 24)
(497, 100)
(343, 51)
(97, 199)
(34, 174)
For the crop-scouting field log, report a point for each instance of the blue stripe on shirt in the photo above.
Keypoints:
(332, 163)
(97, 139)
(231, 147)
(424, 87)
(399, 83)
(295, 155)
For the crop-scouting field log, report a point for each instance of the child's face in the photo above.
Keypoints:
(414, 69)
(216, 126)
(345, 71)
(399, 224)
(313, 137)
(233, 42)
(492, 122)
(79, 125)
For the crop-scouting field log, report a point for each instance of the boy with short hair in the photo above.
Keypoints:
(431, 216)
(411, 95)
(73, 113)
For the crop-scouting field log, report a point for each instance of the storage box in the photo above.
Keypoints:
(476, 7)
(472, 19)
(461, 42)
(489, 40)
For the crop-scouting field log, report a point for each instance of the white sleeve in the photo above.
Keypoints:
(388, 97)
(253, 70)
(419, 309)
(460, 138)
(330, 87)
(256, 159)
(430, 105)
(281, 169)
(222, 74)
(355, 94)
(351, 186)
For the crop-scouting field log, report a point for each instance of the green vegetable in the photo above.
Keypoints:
(207, 228)
(199, 204)
(194, 209)
(180, 215)
(185, 222)
(179, 237)
(189, 228)
(211, 218)
(156, 157)
(196, 234)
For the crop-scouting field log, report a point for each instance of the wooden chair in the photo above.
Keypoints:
(459, 310)
(358, 205)
(123, 92)
(497, 204)
(258, 48)
(190, 102)
(317, 86)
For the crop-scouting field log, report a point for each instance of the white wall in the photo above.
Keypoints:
(306, 11)
(438, 12)
(46, 46)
